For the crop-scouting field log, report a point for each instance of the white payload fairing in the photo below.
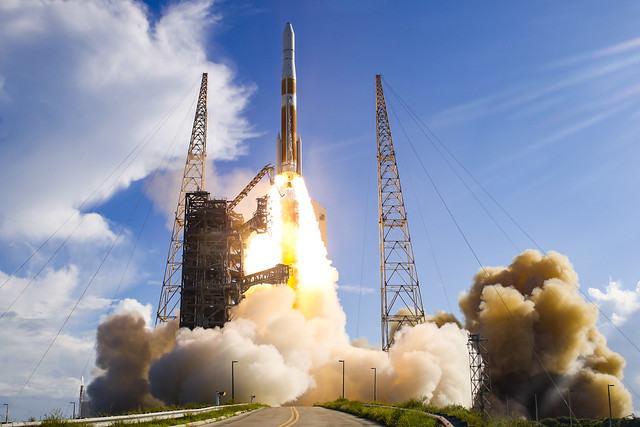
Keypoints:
(289, 158)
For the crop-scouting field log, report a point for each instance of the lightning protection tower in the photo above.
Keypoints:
(480, 375)
(192, 182)
(401, 302)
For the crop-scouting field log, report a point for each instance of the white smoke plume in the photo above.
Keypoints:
(288, 339)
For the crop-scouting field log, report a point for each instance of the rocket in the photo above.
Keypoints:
(289, 158)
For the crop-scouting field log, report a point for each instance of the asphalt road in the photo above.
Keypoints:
(298, 416)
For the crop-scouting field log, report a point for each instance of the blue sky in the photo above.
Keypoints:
(538, 100)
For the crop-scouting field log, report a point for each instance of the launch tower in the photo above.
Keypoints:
(192, 181)
(204, 274)
(401, 302)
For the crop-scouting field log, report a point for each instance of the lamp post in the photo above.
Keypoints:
(375, 385)
(609, 395)
(74, 409)
(233, 385)
(342, 361)
(570, 412)
(6, 418)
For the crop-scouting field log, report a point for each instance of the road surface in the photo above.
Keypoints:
(297, 416)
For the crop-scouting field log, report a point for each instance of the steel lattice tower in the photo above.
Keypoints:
(480, 375)
(399, 287)
(192, 181)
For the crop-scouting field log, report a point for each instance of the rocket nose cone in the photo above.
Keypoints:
(288, 38)
(288, 28)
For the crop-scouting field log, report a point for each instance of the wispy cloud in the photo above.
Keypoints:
(559, 86)
(356, 289)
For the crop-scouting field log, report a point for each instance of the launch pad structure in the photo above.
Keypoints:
(204, 274)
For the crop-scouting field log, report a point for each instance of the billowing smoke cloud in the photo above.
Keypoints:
(543, 339)
(125, 351)
(287, 341)
(284, 357)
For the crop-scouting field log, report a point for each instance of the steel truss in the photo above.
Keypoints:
(192, 181)
(209, 267)
(401, 302)
(480, 375)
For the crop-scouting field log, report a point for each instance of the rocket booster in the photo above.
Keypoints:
(289, 159)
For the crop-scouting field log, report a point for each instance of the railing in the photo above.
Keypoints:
(133, 418)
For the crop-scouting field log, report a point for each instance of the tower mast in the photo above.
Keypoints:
(399, 289)
(192, 181)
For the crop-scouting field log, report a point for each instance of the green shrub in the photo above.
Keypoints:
(412, 403)
(54, 418)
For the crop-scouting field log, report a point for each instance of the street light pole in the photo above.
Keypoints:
(375, 386)
(609, 395)
(233, 385)
(6, 418)
(74, 409)
(570, 412)
(342, 361)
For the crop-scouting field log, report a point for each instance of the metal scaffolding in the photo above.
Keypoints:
(480, 374)
(211, 269)
(213, 281)
(399, 287)
(204, 271)
(192, 181)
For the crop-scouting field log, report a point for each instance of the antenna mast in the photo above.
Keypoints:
(192, 181)
(399, 289)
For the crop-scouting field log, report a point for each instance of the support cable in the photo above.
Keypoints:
(139, 148)
(433, 252)
(418, 122)
(163, 164)
(423, 126)
(531, 346)
(364, 238)
(135, 152)
(104, 259)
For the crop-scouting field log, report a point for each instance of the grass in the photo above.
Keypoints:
(151, 409)
(412, 413)
(388, 416)
(55, 418)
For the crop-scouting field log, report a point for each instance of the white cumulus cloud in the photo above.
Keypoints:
(621, 302)
(84, 82)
